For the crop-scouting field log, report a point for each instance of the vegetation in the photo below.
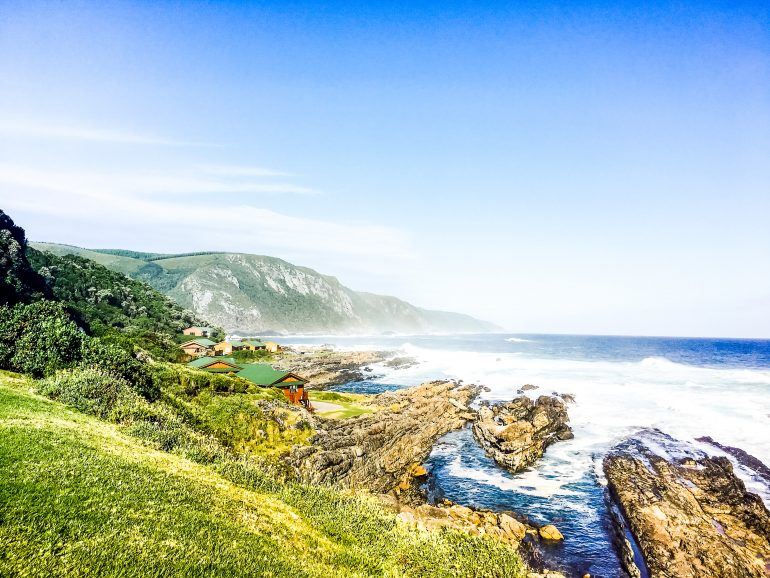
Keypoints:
(343, 405)
(38, 338)
(112, 306)
(78, 496)
(261, 355)
(18, 281)
(143, 467)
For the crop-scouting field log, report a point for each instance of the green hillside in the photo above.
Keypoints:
(126, 265)
(255, 293)
(79, 497)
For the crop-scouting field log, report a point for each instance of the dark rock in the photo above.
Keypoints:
(690, 515)
(744, 458)
(526, 387)
(401, 362)
(517, 433)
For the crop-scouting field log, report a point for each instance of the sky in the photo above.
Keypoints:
(577, 167)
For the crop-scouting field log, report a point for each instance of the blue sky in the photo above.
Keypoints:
(576, 167)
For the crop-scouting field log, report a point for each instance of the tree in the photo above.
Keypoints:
(19, 283)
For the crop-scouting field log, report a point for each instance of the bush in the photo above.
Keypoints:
(38, 338)
(91, 390)
(120, 362)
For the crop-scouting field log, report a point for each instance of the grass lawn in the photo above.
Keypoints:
(341, 406)
(79, 497)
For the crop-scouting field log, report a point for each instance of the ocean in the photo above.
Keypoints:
(685, 387)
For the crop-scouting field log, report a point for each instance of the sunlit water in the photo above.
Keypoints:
(685, 387)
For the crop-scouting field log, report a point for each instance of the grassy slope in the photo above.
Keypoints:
(126, 265)
(80, 498)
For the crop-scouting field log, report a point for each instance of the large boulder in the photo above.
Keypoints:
(382, 451)
(517, 433)
(688, 513)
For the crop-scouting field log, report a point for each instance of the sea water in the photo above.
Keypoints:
(685, 387)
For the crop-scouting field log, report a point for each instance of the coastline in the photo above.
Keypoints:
(531, 488)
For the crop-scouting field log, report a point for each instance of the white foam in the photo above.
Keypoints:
(613, 400)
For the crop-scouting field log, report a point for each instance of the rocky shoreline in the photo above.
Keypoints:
(681, 513)
(383, 453)
(676, 511)
(325, 367)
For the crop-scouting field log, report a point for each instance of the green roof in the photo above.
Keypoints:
(263, 374)
(202, 341)
(201, 362)
(253, 342)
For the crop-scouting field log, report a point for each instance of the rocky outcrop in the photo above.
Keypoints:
(517, 433)
(382, 451)
(507, 527)
(326, 367)
(742, 457)
(680, 513)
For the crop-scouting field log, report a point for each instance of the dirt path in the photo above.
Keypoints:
(326, 407)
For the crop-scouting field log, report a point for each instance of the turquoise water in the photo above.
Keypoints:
(685, 387)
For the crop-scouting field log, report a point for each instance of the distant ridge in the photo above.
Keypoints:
(255, 293)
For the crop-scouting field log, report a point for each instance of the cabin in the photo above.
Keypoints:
(227, 347)
(253, 344)
(199, 331)
(216, 364)
(197, 347)
(264, 375)
(272, 346)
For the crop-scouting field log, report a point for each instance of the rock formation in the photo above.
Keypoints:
(327, 367)
(517, 433)
(507, 527)
(382, 451)
(688, 514)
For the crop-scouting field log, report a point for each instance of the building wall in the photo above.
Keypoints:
(295, 397)
(223, 349)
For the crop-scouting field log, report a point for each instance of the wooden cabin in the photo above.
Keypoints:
(253, 344)
(216, 364)
(198, 347)
(264, 375)
(272, 346)
(199, 331)
(226, 347)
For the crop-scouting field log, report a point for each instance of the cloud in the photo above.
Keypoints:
(113, 203)
(241, 171)
(94, 183)
(38, 130)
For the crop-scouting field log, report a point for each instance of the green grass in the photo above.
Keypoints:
(80, 497)
(350, 404)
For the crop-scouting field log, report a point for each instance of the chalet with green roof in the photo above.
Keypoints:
(198, 347)
(260, 374)
(227, 347)
(216, 364)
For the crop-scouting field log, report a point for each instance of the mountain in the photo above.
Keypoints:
(254, 293)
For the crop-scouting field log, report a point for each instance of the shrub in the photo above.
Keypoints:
(120, 362)
(91, 390)
(38, 338)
